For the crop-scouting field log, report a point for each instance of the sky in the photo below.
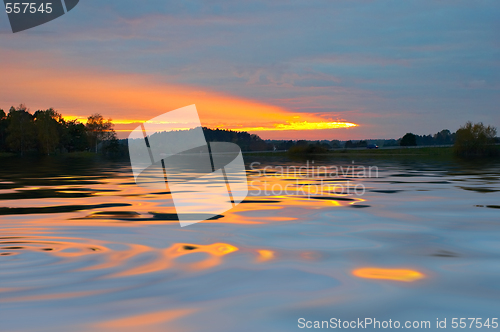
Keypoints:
(280, 69)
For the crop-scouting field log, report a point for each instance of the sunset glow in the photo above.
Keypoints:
(224, 166)
(304, 125)
(131, 99)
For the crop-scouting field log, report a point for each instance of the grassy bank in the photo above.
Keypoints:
(72, 155)
(6, 154)
(403, 151)
(442, 153)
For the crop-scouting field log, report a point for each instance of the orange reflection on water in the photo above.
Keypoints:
(115, 259)
(57, 246)
(153, 321)
(310, 255)
(165, 259)
(388, 274)
(217, 249)
(52, 297)
(265, 255)
(132, 260)
(215, 252)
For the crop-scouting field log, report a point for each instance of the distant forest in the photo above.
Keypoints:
(444, 137)
(47, 132)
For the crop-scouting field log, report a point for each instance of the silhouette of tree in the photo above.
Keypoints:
(475, 140)
(246, 141)
(46, 131)
(3, 129)
(49, 126)
(21, 130)
(362, 144)
(335, 144)
(359, 144)
(409, 140)
(75, 137)
(444, 137)
(99, 130)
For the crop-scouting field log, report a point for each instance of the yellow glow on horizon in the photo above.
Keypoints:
(68, 118)
(302, 125)
(265, 255)
(127, 122)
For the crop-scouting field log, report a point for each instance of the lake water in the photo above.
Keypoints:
(82, 248)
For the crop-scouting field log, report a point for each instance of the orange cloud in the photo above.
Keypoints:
(133, 98)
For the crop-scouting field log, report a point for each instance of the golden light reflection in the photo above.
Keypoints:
(265, 255)
(57, 246)
(216, 249)
(115, 259)
(166, 258)
(53, 296)
(117, 263)
(388, 274)
(147, 321)
(215, 252)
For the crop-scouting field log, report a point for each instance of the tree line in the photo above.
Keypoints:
(47, 132)
(444, 137)
(245, 140)
(469, 141)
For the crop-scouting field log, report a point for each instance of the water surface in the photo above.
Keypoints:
(82, 248)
